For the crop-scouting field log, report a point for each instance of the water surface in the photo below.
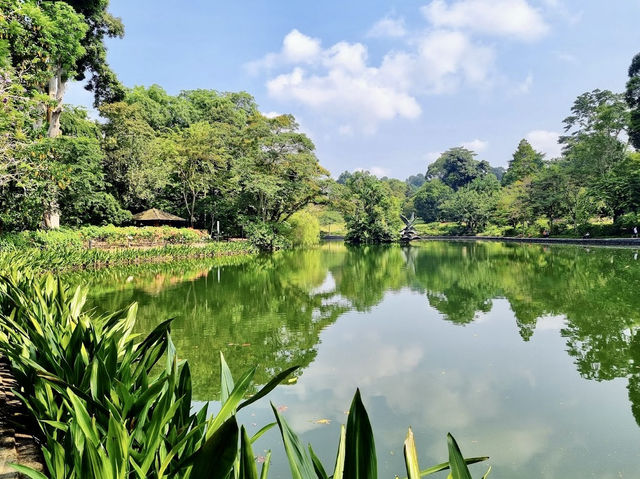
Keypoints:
(526, 353)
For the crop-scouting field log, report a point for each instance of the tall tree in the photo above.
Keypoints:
(457, 167)
(526, 162)
(371, 212)
(632, 96)
(429, 198)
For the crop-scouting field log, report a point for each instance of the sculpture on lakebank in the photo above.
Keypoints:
(408, 233)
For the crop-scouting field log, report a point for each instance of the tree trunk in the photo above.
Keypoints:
(51, 216)
(56, 93)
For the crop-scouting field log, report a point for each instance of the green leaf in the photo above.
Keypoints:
(268, 387)
(317, 465)
(445, 465)
(230, 406)
(264, 473)
(360, 450)
(215, 459)
(338, 471)
(262, 430)
(82, 418)
(459, 469)
(27, 471)
(411, 456)
(248, 469)
(226, 380)
(300, 464)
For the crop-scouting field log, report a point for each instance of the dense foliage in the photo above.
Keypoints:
(205, 155)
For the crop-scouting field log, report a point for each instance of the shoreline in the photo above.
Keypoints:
(510, 239)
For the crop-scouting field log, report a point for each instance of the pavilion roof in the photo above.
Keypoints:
(155, 214)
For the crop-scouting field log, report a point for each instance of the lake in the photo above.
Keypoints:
(529, 354)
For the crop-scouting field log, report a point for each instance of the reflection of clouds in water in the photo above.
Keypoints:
(327, 286)
(513, 447)
(551, 323)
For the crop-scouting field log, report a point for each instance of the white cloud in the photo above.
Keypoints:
(545, 141)
(341, 84)
(446, 58)
(514, 18)
(378, 171)
(476, 145)
(272, 114)
(388, 27)
(296, 48)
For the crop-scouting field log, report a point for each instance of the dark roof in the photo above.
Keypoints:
(155, 214)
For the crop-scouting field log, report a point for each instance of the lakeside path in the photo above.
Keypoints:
(578, 241)
(17, 445)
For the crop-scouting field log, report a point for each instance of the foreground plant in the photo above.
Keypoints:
(102, 409)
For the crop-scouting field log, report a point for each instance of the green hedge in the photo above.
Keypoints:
(78, 237)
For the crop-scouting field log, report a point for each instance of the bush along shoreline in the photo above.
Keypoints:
(68, 249)
(105, 407)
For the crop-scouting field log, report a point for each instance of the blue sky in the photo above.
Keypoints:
(386, 86)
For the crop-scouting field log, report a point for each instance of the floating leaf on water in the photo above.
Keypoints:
(322, 421)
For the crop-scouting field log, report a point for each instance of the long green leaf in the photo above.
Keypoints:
(360, 451)
(445, 465)
(215, 459)
(226, 380)
(248, 469)
(268, 387)
(27, 471)
(338, 470)
(411, 456)
(299, 463)
(264, 473)
(459, 469)
(230, 406)
(317, 465)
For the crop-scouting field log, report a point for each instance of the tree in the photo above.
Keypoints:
(429, 198)
(512, 205)
(457, 167)
(344, 177)
(547, 193)
(129, 153)
(52, 42)
(416, 181)
(473, 204)
(371, 213)
(199, 154)
(526, 162)
(632, 97)
(279, 172)
(596, 144)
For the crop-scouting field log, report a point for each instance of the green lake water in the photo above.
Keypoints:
(527, 353)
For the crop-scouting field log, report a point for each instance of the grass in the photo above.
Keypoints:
(69, 258)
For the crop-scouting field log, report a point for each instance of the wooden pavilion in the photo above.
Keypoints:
(156, 217)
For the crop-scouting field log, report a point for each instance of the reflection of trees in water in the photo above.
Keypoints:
(263, 312)
(270, 310)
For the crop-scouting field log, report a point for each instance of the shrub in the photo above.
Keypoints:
(267, 236)
(304, 229)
